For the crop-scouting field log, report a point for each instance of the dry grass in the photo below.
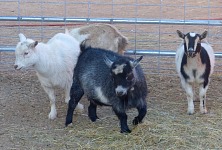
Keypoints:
(25, 106)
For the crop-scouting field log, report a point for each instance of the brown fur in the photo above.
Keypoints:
(103, 36)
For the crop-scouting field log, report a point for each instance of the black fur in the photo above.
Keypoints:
(205, 59)
(91, 72)
(183, 63)
(194, 73)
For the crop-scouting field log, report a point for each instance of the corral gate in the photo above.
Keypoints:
(150, 25)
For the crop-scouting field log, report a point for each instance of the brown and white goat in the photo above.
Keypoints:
(195, 64)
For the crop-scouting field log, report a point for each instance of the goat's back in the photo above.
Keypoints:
(58, 58)
(92, 72)
(92, 68)
(103, 36)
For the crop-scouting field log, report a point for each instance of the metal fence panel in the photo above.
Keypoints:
(150, 25)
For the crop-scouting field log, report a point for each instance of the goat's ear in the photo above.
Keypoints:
(203, 35)
(22, 37)
(135, 62)
(33, 45)
(180, 34)
(108, 61)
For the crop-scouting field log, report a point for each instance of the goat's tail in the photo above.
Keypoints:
(83, 46)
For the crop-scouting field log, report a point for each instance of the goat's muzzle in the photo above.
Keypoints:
(191, 53)
(120, 93)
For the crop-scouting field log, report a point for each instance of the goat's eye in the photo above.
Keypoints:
(130, 77)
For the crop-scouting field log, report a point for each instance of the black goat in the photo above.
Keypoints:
(109, 79)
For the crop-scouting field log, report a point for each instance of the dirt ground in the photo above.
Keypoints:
(25, 125)
(24, 106)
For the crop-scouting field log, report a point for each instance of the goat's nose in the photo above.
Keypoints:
(190, 52)
(119, 93)
(15, 66)
(190, 49)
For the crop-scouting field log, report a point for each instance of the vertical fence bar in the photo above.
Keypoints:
(184, 16)
(41, 5)
(65, 15)
(19, 14)
(209, 11)
(159, 30)
(135, 27)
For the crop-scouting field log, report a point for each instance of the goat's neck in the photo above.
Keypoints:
(194, 61)
(42, 65)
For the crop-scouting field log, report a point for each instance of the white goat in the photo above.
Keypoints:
(53, 62)
(103, 36)
(194, 64)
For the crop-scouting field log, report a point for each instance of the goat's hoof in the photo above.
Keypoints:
(136, 121)
(68, 122)
(93, 118)
(190, 112)
(52, 116)
(125, 131)
(203, 111)
(68, 125)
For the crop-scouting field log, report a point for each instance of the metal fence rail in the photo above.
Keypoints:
(114, 20)
(130, 52)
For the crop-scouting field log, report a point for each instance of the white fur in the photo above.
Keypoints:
(103, 36)
(192, 34)
(53, 62)
(118, 69)
(101, 96)
(79, 37)
(194, 64)
(121, 89)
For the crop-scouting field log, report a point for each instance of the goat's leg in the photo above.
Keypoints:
(189, 92)
(123, 121)
(76, 94)
(67, 94)
(202, 96)
(79, 108)
(51, 94)
(142, 110)
(92, 112)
